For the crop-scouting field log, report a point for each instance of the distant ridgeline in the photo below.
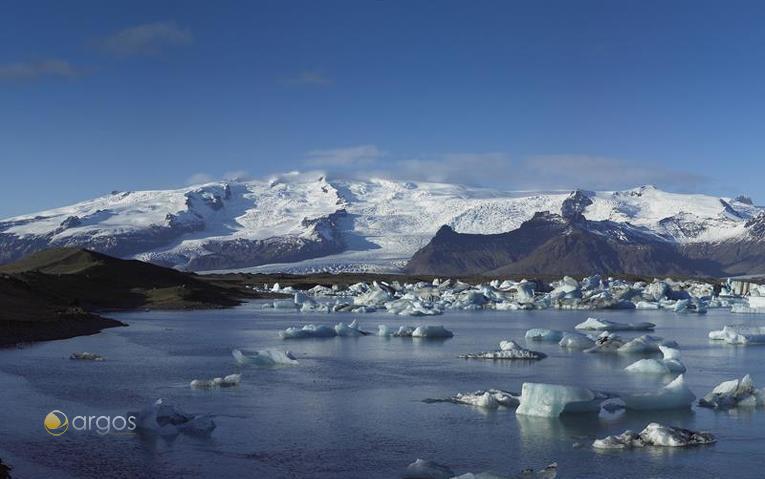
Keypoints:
(307, 223)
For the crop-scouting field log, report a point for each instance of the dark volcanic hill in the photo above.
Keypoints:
(557, 244)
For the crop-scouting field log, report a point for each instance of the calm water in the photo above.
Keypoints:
(353, 408)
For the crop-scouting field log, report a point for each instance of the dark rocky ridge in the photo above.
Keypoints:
(551, 244)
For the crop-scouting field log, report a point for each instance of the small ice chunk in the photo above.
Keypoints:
(224, 382)
(594, 324)
(734, 393)
(576, 341)
(645, 344)
(655, 434)
(648, 366)
(606, 342)
(422, 469)
(349, 330)
(552, 400)
(739, 334)
(85, 356)
(674, 395)
(508, 349)
(308, 331)
(165, 419)
(432, 332)
(266, 357)
(541, 334)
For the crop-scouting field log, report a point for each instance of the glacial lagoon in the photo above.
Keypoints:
(353, 407)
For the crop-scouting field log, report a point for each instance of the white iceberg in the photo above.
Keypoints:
(576, 341)
(594, 324)
(541, 334)
(655, 434)
(485, 399)
(165, 419)
(421, 469)
(224, 382)
(552, 400)
(349, 330)
(739, 334)
(674, 395)
(508, 349)
(266, 357)
(308, 331)
(734, 393)
(645, 344)
(432, 332)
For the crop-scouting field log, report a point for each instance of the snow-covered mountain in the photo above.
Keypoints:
(308, 222)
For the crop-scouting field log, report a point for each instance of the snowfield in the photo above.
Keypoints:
(306, 222)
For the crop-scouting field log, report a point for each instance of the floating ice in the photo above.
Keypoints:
(308, 331)
(541, 334)
(576, 341)
(739, 334)
(655, 434)
(734, 393)
(606, 342)
(507, 350)
(424, 332)
(266, 357)
(548, 472)
(166, 420)
(552, 400)
(224, 382)
(350, 330)
(486, 399)
(674, 395)
(594, 324)
(85, 356)
(421, 469)
(645, 344)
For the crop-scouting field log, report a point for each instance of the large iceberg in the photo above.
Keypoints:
(674, 395)
(739, 334)
(508, 349)
(552, 400)
(164, 419)
(734, 393)
(655, 434)
(594, 324)
(266, 357)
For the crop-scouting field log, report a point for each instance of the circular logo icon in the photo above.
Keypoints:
(56, 423)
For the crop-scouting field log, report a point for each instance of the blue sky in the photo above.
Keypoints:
(98, 96)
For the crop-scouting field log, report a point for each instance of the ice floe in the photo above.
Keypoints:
(224, 382)
(594, 324)
(739, 334)
(655, 434)
(576, 341)
(423, 332)
(323, 331)
(645, 344)
(486, 399)
(675, 395)
(164, 419)
(266, 357)
(508, 349)
(541, 334)
(734, 393)
(422, 469)
(552, 400)
(85, 356)
(548, 472)
(669, 364)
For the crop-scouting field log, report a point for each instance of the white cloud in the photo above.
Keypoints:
(35, 70)
(348, 157)
(147, 39)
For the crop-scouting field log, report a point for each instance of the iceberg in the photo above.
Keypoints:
(266, 357)
(655, 434)
(540, 334)
(308, 331)
(576, 341)
(648, 366)
(734, 393)
(432, 332)
(552, 400)
(645, 344)
(350, 330)
(224, 382)
(421, 469)
(165, 419)
(507, 350)
(739, 334)
(674, 395)
(594, 324)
